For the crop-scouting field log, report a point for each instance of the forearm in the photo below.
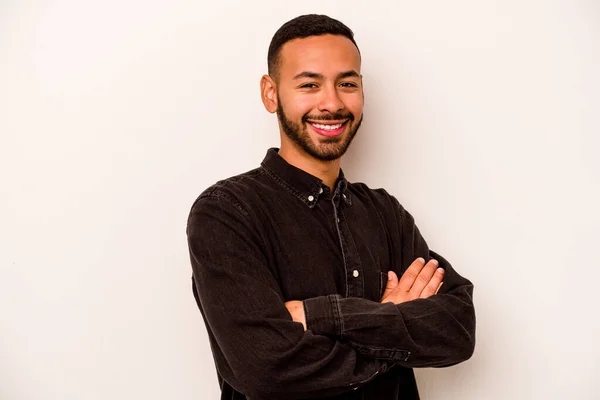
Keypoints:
(432, 332)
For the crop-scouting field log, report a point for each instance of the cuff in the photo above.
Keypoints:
(323, 315)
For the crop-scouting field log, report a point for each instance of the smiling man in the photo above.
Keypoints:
(319, 108)
(311, 286)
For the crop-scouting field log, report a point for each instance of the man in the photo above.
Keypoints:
(296, 270)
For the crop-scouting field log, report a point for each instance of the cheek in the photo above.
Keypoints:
(356, 110)
(303, 105)
(354, 103)
(296, 107)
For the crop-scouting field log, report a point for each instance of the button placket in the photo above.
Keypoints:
(352, 266)
(341, 239)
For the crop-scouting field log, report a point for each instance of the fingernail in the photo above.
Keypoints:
(390, 276)
(435, 261)
(441, 270)
(421, 259)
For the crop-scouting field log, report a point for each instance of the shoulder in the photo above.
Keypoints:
(389, 209)
(240, 192)
(380, 197)
(223, 212)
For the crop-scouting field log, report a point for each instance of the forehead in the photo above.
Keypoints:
(325, 54)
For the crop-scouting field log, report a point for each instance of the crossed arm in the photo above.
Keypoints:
(420, 281)
(262, 352)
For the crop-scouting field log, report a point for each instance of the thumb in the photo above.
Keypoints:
(391, 284)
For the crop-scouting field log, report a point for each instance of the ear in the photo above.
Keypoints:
(268, 93)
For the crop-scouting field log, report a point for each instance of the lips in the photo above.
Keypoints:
(328, 129)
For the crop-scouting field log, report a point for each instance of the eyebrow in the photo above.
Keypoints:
(314, 75)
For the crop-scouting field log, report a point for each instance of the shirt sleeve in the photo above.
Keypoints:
(434, 332)
(259, 350)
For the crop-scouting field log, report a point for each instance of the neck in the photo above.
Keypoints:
(327, 171)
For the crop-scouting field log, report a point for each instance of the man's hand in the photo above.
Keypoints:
(296, 309)
(418, 282)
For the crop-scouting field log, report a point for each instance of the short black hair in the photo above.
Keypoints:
(301, 27)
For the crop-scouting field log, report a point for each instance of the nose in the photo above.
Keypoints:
(330, 100)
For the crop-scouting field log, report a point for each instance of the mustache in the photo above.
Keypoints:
(328, 117)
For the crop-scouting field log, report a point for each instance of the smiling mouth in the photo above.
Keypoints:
(328, 129)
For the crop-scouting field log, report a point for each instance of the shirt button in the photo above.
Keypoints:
(310, 198)
(355, 273)
(320, 190)
(338, 220)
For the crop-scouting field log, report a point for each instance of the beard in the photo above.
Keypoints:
(326, 149)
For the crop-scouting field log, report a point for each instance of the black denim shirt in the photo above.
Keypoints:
(276, 234)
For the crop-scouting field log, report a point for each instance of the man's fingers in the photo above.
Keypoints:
(411, 274)
(434, 284)
(424, 278)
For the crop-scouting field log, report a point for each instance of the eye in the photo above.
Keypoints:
(308, 86)
(348, 84)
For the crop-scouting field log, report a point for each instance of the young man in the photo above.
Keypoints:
(311, 286)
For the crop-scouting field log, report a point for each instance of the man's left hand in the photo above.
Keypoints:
(296, 309)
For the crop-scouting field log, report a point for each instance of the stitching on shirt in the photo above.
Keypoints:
(397, 354)
(382, 369)
(315, 193)
(342, 328)
(277, 179)
(206, 193)
(229, 199)
(339, 323)
(222, 196)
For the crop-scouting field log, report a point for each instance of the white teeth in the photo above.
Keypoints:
(327, 127)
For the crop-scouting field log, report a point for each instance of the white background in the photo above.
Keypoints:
(481, 116)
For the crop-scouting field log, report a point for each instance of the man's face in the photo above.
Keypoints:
(320, 96)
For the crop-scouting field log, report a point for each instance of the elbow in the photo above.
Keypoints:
(462, 347)
(469, 340)
(455, 353)
(466, 349)
(462, 352)
(465, 343)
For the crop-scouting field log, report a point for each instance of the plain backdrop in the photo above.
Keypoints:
(481, 117)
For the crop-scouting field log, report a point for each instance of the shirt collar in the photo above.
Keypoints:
(303, 185)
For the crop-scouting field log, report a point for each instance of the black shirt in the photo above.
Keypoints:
(277, 233)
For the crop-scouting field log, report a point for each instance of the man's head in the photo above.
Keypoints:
(302, 27)
(314, 85)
